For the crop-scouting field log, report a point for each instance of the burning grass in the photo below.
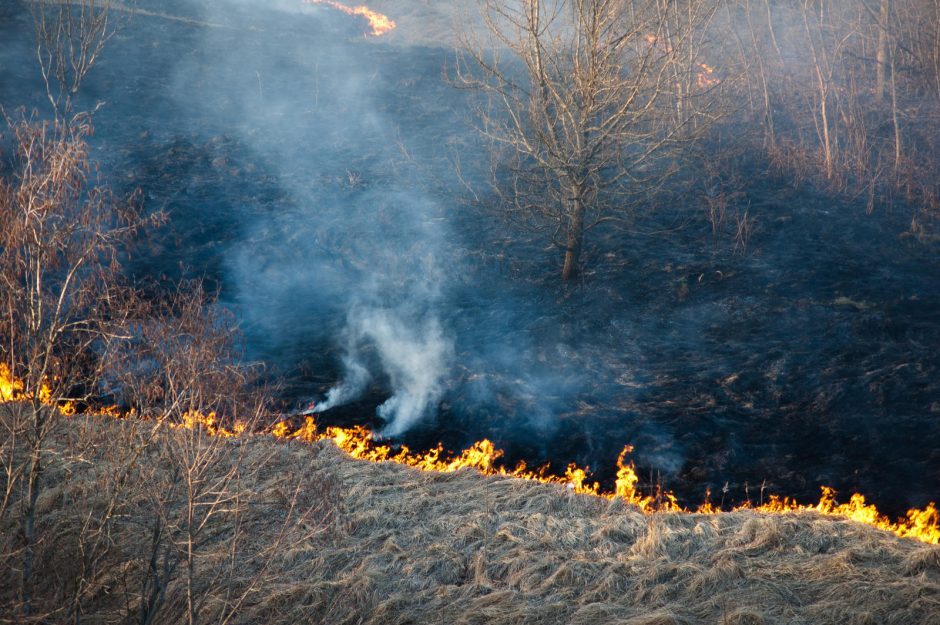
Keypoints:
(397, 545)
(483, 457)
(380, 24)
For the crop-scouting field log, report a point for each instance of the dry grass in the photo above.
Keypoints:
(389, 544)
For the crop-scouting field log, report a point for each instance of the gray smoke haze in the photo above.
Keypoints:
(415, 355)
(353, 241)
(356, 260)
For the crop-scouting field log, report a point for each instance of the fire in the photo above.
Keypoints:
(625, 488)
(193, 419)
(704, 77)
(10, 387)
(483, 457)
(380, 24)
(920, 524)
(13, 389)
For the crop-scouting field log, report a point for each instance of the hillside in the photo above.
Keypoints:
(322, 538)
(292, 263)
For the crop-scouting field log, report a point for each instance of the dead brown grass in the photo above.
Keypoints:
(390, 544)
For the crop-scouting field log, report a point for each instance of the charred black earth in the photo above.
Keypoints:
(310, 174)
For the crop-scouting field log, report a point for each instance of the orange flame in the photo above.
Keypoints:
(13, 389)
(10, 387)
(920, 524)
(483, 457)
(706, 77)
(193, 420)
(380, 24)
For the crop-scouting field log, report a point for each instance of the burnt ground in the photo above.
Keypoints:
(272, 140)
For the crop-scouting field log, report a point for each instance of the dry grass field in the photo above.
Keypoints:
(309, 535)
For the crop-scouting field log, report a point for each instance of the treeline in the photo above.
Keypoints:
(845, 92)
(593, 107)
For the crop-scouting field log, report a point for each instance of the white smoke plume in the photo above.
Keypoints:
(355, 379)
(414, 354)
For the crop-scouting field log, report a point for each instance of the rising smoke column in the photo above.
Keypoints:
(344, 261)
(413, 352)
(357, 252)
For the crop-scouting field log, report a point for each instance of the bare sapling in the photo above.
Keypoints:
(70, 37)
(182, 368)
(60, 293)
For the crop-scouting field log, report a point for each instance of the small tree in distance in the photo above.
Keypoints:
(70, 37)
(587, 101)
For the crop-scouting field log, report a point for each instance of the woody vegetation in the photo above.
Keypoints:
(159, 523)
(601, 110)
(588, 103)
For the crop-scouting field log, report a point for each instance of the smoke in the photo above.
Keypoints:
(362, 269)
(374, 262)
(416, 356)
(355, 379)
(339, 241)
(306, 169)
(355, 259)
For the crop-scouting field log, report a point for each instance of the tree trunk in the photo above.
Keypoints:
(190, 553)
(575, 237)
(881, 59)
(894, 119)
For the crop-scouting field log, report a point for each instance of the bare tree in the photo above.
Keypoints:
(60, 249)
(66, 320)
(586, 100)
(70, 37)
(181, 365)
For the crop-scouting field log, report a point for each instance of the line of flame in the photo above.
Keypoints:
(380, 24)
(358, 442)
(483, 456)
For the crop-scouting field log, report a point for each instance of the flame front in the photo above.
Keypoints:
(10, 387)
(920, 524)
(484, 457)
(13, 389)
(380, 24)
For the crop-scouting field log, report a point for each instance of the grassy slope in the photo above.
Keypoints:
(461, 548)
(413, 547)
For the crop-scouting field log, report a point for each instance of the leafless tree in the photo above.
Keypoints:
(846, 92)
(588, 101)
(182, 366)
(66, 318)
(70, 37)
(60, 250)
